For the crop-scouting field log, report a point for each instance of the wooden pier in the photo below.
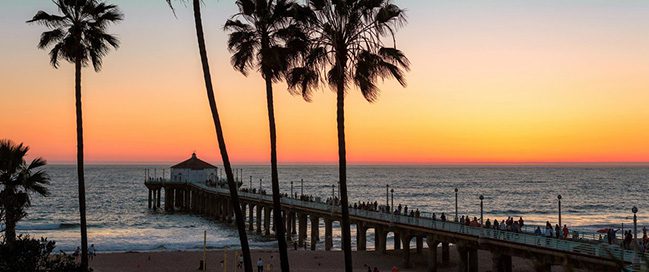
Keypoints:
(213, 202)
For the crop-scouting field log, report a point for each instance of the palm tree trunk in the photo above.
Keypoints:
(234, 196)
(10, 228)
(277, 207)
(82, 188)
(10, 205)
(342, 175)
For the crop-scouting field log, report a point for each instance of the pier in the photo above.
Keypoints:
(214, 202)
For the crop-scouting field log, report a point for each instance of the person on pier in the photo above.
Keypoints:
(566, 232)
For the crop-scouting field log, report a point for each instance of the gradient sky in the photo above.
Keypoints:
(491, 81)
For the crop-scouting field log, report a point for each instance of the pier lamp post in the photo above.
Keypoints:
(635, 222)
(559, 198)
(456, 217)
(392, 205)
(481, 211)
(260, 186)
(250, 184)
(291, 188)
(387, 194)
(333, 193)
(301, 187)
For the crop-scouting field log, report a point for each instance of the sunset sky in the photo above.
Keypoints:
(491, 81)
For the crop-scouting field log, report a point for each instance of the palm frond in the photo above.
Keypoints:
(350, 37)
(21, 177)
(36, 163)
(246, 7)
(264, 35)
(80, 32)
(48, 20)
(303, 81)
(49, 37)
(371, 67)
(237, 25)
(395, 56)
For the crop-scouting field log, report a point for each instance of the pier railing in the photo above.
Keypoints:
(602, 250)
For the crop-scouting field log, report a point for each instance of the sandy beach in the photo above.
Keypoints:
(300, 261)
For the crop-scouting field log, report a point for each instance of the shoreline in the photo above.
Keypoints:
(300, 260)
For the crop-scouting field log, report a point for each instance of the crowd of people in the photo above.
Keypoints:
(510, 224)
(627, 242)
(555, 232)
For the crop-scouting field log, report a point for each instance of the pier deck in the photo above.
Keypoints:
(199, 198)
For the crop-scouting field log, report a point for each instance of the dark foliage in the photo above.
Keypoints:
(30, 255)
(18, 179)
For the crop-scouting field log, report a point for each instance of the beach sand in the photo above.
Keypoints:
(301, 260)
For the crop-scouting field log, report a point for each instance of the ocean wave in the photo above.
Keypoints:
(590, 207)
(514, 212)
(509, 212)
(53, 226)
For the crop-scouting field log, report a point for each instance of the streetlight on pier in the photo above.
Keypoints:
(250, 184)
(260, 186)
(635, 222)
(481, 211)
(301, 187)
(392, 205)
(291, 188)
(456, 217)
(387, 194)
(559, 198)
(333, 193)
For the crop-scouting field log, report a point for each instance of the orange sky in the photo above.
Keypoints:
(503, 81)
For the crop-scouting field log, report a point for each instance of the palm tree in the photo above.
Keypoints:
(347, 48)
(17, 180)
(263, 36)
(79, 36)
(234, 196)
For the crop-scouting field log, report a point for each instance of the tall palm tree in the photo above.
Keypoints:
(78, 35)
(264, 36)
(348, 49)
(234, 196)
(17, 180)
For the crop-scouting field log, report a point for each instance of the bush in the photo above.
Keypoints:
(28, 255)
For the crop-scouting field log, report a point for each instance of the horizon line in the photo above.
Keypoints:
(326, 163)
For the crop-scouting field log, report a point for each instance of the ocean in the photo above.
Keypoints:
(594, 197)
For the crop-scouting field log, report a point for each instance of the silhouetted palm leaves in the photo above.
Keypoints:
(78, 35)
(264, 36)
(348, 49)
(17, 180)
